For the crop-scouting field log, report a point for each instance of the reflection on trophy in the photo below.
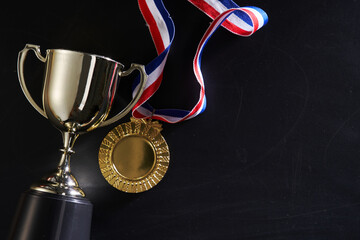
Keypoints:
(78, 93)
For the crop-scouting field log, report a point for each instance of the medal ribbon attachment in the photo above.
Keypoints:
(242, 21)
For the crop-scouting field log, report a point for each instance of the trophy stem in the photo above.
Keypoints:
(62, 181)
(69, 139)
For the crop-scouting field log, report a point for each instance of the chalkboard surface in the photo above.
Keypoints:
(276, 154)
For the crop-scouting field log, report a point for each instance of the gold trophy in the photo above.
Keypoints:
(78, 93)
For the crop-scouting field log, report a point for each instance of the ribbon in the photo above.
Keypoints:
(242, 21)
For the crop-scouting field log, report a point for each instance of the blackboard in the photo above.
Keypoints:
(274, 156)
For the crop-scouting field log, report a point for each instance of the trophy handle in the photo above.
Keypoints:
(143, 77)
(20, 70)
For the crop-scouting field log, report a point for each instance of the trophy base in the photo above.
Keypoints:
(59, 184)
(49, 216)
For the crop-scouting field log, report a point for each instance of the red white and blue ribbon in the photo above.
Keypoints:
(243, 21)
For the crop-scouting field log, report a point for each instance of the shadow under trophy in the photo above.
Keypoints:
(78, 93)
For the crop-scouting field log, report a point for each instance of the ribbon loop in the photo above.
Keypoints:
(242, 21)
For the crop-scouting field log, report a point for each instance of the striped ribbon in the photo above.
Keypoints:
(243, 21)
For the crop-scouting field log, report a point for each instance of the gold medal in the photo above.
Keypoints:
(134, 156)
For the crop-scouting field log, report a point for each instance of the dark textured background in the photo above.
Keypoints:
(276, 154)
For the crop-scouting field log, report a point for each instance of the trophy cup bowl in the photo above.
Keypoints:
(78, 92)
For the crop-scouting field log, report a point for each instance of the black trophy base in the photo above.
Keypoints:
(46, 216)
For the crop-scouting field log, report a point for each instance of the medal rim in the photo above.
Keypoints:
(150, 132)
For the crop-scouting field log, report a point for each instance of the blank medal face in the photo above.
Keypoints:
(134, 156)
